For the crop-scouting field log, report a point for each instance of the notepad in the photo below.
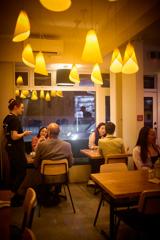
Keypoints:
(154, 180)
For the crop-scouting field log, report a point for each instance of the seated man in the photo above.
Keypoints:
(110, 144)
(51, 149)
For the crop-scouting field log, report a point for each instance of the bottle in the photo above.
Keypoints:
(157, 168)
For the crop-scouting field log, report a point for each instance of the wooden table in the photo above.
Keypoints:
(119, 186)
(5, 215)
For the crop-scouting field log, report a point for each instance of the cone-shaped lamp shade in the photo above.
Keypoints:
(59, 93)
(34, 96)
(42, 94)
(48, 98)
(25, 92)
(53, 93)
(96, 76)
(17, 92)
(40, 64)
(116, 62)
(27, 56)
(91, 52)
(74, 76)
(22, 29)
(22, 95)
(19, 80)
(130, 64)
(56, 5)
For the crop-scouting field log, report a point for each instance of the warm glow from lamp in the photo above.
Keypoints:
(91, 52)
(22, 95)
(74, 76)
(96, 76)
(53, 93)
(25, 92)
(17, 92)
(57, 6)
(27, 56)
(22, 29)
(41, 94)
(130, 64)
(59, 93)
(48, 98)
(40, 64)
(19, 80)
(116, 62)
(34, 96)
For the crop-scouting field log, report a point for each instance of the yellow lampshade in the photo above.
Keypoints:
(91, 52)
(59, 93)
(96, 76)
(22, 29)
(74, 76)
(130, 64)
(116, 62)
(22, 95)
(25, 92)
(53, 93)
(34, 96)
(27, 56)
(17, 92)
(57, 6)
(48, 98)
(19, 80)
(40, 64)
(41, 94)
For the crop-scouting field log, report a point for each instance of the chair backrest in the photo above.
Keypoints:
(54, 171)
(117, 158)
(149, 202)
(28, 234)
(29, 205)
(113, 167)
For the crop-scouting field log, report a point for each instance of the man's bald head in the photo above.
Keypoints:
(53, 130)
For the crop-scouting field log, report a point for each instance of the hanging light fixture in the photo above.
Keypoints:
(40, 64)
(91, 52)
(17, 93)
(25, 93)
(96, 76)
(34, 96)
(59, 93)
(53, 93)
(22, 29)
(48, 98)
(22, 95)
(27, 56)
(130, 64)
(74, 76)
(57, 6)
(116, 62)
(41, 94)
(19, 80)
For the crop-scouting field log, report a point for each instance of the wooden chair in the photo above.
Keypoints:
(117, 167)
(145, 217)
(29, 205)
(55, 172)
(117, 158)
(28, 234)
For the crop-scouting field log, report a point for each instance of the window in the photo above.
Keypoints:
(150, 82)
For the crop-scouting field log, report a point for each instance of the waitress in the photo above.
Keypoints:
(15, 144)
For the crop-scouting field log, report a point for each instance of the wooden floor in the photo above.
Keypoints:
(60, 223)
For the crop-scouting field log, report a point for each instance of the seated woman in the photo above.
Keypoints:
(41, 136)
(146, 152)
(100, 132)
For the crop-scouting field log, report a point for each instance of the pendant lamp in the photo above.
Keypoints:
(34, 96)
(19, 80)
(130, 64)
(56, 5)
(53, 93)
(22, 29)
(17, 92)
(116, 62)
(27, 56)
(48, 98)
(41, 94)
(96, 76)
(74, 76)
(22, 95)
(25, 93)
(59, 93)
(40, 64)
(91, 52)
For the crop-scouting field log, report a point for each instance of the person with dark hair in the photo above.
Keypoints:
(41, 136)
(86, 114)
(146, 152)
(15, 144)
(100, 132)
(110, 144)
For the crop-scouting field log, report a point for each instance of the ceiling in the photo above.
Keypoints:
(115, 23)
